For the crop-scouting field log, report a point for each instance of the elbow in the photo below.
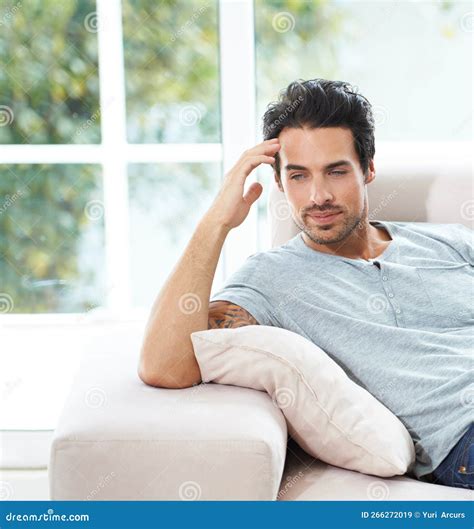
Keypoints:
(163, 377)
(152, 377)
(146, 376)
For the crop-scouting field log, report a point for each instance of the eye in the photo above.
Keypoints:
(295, 176)
(338, 172)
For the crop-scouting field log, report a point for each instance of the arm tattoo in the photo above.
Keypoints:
(223, 314)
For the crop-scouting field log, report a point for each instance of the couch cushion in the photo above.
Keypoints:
(308, 479)
(328, 414)
(119, 439)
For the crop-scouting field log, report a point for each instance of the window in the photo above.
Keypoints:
(171, 53)
(110, 125)
(412, 60)
(49, 82)
(51, 237)
(347, 40)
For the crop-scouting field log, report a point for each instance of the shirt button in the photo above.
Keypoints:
(398, 311)
(384, 278)
(390, 295)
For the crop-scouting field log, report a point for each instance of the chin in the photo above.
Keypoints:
(325, 233)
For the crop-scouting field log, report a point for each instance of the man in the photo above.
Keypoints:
(391, 302)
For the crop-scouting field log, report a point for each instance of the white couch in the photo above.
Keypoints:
(118, 439)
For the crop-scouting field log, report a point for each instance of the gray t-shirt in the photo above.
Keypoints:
(400, 325)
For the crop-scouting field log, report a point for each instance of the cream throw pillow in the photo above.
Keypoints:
(328, 415)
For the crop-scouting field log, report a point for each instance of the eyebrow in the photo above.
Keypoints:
(331, 165)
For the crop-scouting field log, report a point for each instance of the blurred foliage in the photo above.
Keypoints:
(48, 72)
(51, 238)
(172, 73)
(289, 35)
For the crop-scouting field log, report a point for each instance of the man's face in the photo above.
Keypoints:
(313, 187)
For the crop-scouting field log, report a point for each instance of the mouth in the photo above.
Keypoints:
(324, 218)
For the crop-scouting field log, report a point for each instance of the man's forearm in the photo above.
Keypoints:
(181, 308)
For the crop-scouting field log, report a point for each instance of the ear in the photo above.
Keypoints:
(370, 176)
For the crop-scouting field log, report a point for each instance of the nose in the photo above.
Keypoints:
(320, 193)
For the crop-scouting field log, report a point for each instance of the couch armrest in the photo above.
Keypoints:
(119, 439)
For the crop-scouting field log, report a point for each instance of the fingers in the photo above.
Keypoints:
(253, 193)
(248, 164)
(267, 147)
(250, 159)
(262, 153)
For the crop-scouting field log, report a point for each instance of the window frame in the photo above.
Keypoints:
(114, 154)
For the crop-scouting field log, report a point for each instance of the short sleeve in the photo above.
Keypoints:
(248, 288)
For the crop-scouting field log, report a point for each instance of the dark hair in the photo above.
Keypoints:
(319, 103)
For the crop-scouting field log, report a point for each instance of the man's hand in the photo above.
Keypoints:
(231, 207)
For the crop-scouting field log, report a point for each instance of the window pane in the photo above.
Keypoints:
(166, 203)
(49, 86)
(51, 238)
(412, 60)
(171, 69)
